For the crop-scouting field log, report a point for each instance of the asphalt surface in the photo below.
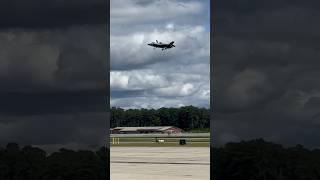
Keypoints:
(160, 163)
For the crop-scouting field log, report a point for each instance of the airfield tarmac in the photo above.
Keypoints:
(160, 163)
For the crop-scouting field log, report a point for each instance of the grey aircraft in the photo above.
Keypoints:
(162, 45)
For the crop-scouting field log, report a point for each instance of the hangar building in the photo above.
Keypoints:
(146, 130)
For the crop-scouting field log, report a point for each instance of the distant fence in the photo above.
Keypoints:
(193, 138)
(115, 140)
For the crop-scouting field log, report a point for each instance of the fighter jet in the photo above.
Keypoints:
(162, 45)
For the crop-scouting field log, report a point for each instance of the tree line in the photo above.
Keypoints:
(246, 160)
(261, 160)
(32, 163)
(187, 118)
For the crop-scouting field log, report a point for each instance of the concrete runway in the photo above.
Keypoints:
(160, 163)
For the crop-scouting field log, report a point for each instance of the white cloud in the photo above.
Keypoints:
(136, 80)
(176, 90)
(155, 102)
(118, 80)
(192, 44)
(170, 26)
(174, 77)
(128, 12)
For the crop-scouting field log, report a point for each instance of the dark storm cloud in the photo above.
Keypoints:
(36, 14)
(75, 130)
(289, 21)
(266, 64)
(33, 103)
(53, 73)
(45, 72)
(41, 61)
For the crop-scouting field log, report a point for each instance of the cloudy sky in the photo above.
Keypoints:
(266, 71)
(53, 63)
(142, 77)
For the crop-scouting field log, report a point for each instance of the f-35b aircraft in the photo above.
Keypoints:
(162, 45)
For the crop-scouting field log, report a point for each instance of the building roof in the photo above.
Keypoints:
(159, 128)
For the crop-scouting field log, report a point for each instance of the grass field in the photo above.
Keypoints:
(160, 140)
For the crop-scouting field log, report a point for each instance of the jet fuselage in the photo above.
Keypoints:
(160, 45)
